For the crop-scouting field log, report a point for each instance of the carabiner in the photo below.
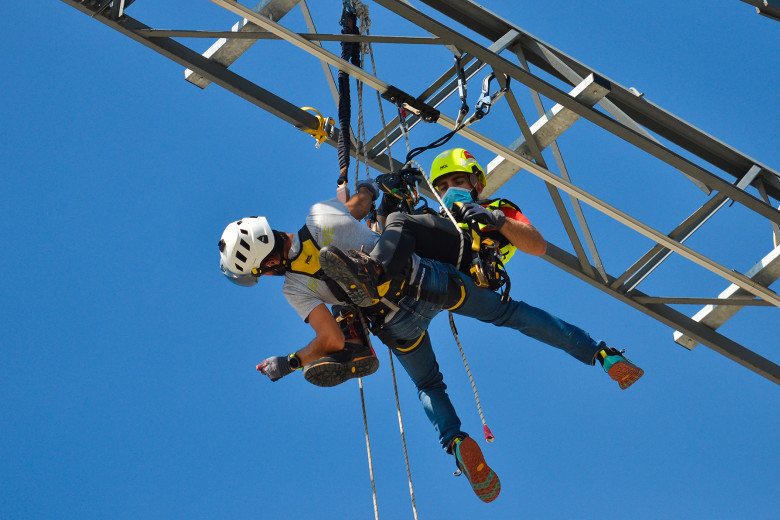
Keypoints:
(485, 100)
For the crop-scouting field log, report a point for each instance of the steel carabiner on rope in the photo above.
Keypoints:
(485, 100)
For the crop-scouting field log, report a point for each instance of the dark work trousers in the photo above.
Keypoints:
(430, 236)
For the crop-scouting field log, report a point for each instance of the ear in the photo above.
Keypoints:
(477, 184)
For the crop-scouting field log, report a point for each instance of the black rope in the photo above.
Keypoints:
(350, 51)
(441, 141)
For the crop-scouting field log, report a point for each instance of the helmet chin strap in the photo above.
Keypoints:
(280, 268)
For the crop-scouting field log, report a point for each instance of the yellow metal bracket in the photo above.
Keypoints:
(324, 129)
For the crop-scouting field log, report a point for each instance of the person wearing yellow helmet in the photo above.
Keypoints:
(459, 179)
(314, 278)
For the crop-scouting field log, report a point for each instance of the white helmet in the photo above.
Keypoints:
(244, 245)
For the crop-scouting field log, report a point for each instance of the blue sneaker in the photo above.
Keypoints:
(619, 368)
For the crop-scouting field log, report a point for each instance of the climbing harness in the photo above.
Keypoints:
(487, 266)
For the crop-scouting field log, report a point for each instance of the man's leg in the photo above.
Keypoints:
(430, 236)
(486, 305)
(419, 361)
(357, 359)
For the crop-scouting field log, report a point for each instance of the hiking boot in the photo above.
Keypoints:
(619, 367)
(353, 361)
(355, 272)
(470, 461)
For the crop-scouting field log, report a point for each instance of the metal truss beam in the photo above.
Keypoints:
(227, 50)
(765, 272)
(633, 119)
(546, 130)
(638, 108)
(264, 35)
(672, 318)
(225, 78)
(502, 65)
(768, 8)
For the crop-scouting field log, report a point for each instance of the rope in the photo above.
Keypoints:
(446, 212)
(361, 11)
(485, 429)
(368, 448)
(488, 434)
(403, 437)
(400, 425)
(349, 52)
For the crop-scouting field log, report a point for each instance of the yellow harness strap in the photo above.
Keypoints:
(308, 260)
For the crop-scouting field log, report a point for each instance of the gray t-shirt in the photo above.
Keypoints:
(329, 222)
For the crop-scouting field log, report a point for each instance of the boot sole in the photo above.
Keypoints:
(331, 373)
(338, 270)
(626, 374)
(484, 480)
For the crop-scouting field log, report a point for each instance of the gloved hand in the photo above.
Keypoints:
(275, 367)
(371, 185)
(471, 211)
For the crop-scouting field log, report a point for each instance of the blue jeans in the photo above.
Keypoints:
(406, 335)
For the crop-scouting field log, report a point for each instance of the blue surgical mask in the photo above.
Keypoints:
(454, 195)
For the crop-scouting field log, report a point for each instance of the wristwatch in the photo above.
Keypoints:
(295, 361)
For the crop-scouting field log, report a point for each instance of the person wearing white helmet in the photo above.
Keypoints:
(250, 248)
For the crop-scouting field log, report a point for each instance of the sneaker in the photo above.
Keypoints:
(619, 367)
(355, 272)
(353, 361)
(470, 461)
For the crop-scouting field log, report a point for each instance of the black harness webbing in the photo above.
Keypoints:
(307, 262)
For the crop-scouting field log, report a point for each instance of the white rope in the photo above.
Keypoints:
(403, 437)
(488, 434)
(361, 11)
(364, 325)
(368, 448)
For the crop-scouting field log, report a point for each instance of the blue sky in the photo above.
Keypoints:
(128, 386)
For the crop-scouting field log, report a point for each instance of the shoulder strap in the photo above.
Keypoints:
(307, 262)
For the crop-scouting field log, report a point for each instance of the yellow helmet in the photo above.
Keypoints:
(457, 160)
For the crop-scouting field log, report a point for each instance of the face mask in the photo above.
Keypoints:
(454, 195)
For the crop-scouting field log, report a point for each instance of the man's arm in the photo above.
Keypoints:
(524, 237)
(360, 203)
(328, 338)
(515, 228)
